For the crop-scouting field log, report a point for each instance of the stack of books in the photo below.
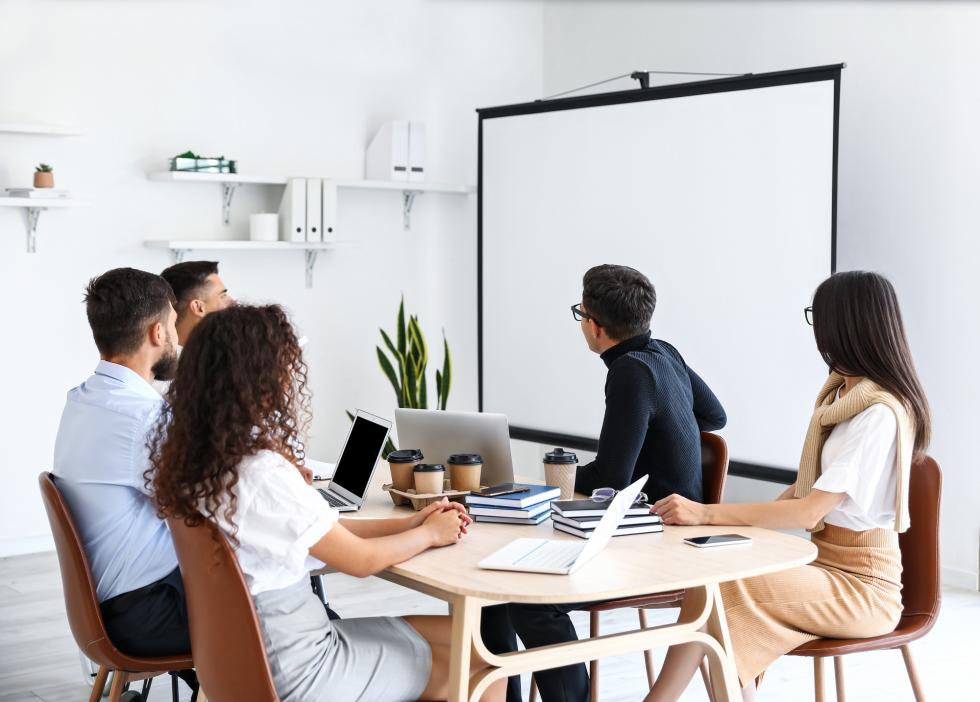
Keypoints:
(530, 506)
(38, 193)
(581, 517)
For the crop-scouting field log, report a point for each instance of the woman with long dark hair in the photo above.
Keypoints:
(871, 418)
(230, 450)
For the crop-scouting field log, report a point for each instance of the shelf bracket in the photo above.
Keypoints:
(33, 215)
(310, 265)
(227, 195)
(179, 255)
(408, 199)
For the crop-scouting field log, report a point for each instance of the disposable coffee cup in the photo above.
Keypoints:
(560, 467)
(402, 465)
(429, 478)
(464, 471)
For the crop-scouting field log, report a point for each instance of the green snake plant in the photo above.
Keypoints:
(405, 365)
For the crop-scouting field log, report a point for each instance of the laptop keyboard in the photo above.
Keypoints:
(332, 500)
(552, 555)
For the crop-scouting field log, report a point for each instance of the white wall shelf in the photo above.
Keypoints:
(33, 207)
(230, 181)
(180, 247)
(53, 130)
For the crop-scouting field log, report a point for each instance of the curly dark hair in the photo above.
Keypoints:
(240, 388)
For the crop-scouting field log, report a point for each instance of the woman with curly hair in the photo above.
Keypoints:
(230, 450)
(871, 417)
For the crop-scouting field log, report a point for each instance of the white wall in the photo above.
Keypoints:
(291, 88)
(908, 190)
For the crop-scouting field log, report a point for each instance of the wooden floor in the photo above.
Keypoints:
(39, 661)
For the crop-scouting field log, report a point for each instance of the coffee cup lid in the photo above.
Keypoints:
(430, 468)
(560, 455)
(466, 459)
(405, 456)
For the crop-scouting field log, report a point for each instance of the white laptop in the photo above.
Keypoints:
(365, 441)
(439, 434)
(564, 557)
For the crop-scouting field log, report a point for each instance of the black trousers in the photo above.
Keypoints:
(537, 625)
(150, 621)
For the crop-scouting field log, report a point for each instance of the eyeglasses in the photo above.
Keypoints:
(578, 314)
(606, 494)
(808, 315)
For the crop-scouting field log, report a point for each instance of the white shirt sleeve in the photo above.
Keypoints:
(286, 517)
(858, 460)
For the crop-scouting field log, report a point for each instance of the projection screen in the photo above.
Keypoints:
(722, 192)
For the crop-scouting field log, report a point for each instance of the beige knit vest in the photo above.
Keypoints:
(830, 411)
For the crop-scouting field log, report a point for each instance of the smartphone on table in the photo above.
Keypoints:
(718, 540)
(502, 489)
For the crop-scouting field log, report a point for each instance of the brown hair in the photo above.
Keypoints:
(859, 332)
(240, 388)
(121, 304)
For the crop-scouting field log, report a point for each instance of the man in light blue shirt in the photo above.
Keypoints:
(101, 456)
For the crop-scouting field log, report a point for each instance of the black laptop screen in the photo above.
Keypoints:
(360, 453)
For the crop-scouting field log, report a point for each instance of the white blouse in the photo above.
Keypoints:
(858, 460)
(279, 517)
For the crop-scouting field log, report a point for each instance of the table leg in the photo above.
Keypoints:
(466, 624)
(721, 662)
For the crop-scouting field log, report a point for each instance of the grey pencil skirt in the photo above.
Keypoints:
(313, 659)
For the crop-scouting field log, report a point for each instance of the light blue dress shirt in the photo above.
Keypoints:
(100, 456)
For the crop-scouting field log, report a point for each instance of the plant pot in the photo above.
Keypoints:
(43, 179)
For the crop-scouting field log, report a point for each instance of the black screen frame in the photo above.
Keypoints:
(749, 81)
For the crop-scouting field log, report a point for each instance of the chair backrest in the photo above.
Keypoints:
(81, 601)
(714, 467)
(921, 592)
(229, 652)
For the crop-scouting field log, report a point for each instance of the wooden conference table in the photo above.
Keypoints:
(630, 566)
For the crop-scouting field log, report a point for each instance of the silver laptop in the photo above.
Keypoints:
(439, 434)
(350, 482)
(563, 557)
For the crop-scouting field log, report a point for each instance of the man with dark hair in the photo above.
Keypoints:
(199, 291)
(656, 406)
(101, 454)
(656, 409)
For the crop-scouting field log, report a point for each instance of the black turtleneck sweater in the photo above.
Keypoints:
(656, 409)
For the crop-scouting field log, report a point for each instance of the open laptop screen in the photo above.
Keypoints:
(364, 444)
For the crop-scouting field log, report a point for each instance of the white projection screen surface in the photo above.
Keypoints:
(722, 193)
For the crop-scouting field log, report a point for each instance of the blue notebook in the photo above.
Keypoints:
(530, 521)
(534, 494)
(510, 512)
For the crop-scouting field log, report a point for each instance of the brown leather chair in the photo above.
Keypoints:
(921, 593)
(714, 471)
(229, 652)
(82, 605)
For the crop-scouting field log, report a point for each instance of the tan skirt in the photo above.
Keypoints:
(851, 591)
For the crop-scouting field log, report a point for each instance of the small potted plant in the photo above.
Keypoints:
(43, 176)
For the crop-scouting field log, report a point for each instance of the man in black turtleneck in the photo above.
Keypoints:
(656, 409)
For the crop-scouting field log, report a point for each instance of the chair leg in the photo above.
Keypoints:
(593, 665)
(818, 679)
(534, 689)
(648, 654)
(116, 688)
(706, 676)
(839, 677)
(99, 686)
(913, 674)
